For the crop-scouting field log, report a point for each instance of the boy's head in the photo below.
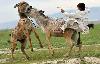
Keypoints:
(81, 6)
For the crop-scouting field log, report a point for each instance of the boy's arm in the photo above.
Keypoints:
(66, 13)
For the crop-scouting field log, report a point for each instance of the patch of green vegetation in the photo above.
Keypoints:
(90, 39)
(43, 55)
(93, 37)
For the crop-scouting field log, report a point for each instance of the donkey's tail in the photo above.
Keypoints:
(9, 40)
(79, 39)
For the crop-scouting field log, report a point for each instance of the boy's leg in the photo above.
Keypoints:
(64, 26)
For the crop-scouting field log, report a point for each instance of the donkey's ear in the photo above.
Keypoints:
(16, 5)
(31, 7)
(43, 11)
(40, 11)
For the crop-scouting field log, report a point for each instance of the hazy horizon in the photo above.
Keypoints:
(9, 13)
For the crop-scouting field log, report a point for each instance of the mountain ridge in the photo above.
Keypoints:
(94, 16)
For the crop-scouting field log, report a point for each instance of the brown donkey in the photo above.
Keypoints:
(21, 33)
(23, 30)
(51, 27)
(22, 6)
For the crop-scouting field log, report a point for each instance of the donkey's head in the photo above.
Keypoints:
(41, 11)
(22, 7)
(33, 12)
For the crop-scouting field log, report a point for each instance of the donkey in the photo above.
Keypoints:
(51, 27)
(79, 35)
(23, 30)
(91, 26)
(19, 33)
(22, 6)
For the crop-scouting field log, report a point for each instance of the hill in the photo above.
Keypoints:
(93, 17)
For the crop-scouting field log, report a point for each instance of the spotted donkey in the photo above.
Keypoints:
(23, 30)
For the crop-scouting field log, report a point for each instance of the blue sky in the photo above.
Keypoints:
(8, 13)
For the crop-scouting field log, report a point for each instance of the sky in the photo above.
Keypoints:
(8, 13)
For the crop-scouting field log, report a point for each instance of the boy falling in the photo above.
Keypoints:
(77, 20)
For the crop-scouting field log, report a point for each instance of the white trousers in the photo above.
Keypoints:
(81, 26)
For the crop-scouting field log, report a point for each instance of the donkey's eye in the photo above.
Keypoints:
(18, 5)
(24, 3)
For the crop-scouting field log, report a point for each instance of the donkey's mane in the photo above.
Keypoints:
(53, 23)
(22, 15)
(44, 21)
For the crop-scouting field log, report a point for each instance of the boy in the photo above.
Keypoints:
(78, 20)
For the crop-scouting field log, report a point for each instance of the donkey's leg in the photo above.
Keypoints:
(13, 47)
(70, 47)
(37, 36)
(23, 44)
(49, 43)
(77, 39)
(70, 43)
(28, 37)
(79, 43)
(80, 48)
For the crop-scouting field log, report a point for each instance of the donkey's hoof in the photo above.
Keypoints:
(67, 55)
(28, 58)
(79, 54)
(41, 46)
(32, 50)
(52, 53)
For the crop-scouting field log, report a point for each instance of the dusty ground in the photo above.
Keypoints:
(84, 60)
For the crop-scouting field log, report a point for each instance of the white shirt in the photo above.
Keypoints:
(83, 15)
(82, 18)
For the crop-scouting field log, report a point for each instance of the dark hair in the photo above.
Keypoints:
(81, 6)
